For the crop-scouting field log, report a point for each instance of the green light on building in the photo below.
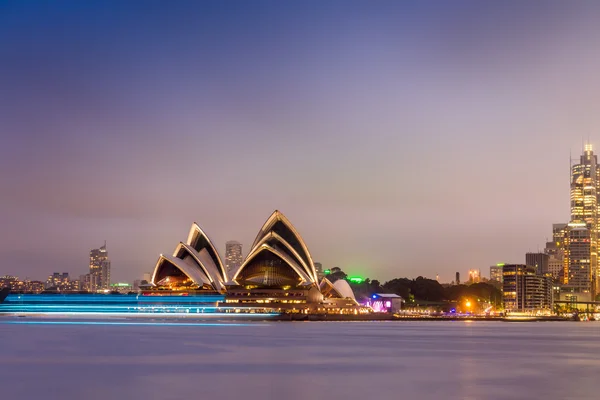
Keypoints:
(327, 272)
(356, 279)
(500, 265)
(120, 285)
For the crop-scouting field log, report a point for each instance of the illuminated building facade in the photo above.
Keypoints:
(386, 302)
(496, 273)
(278, 273)
(524, 290)
(21, 286)
(61, 283)
(99, 270)
(585, 192)
(233, 256)
(474, 276)
(578, 274)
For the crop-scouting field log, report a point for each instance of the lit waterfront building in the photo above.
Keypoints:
(578, 274)
(99, 278)
(585, 192)
(233, 257)
(524, 290)
(21, 286)
(496, 272)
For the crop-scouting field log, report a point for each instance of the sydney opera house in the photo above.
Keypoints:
(278, 273)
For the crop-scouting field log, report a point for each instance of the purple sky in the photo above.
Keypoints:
(400, 138)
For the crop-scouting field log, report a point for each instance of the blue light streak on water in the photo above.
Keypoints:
(110, 299)
(126, 323)
(97, 304)
(142, 314)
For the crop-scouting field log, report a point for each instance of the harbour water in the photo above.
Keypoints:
(152, 359)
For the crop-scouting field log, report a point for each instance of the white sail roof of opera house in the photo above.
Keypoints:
(278, 227)
(344, 289)
(339, 289)
(197, 260)
(278, 258)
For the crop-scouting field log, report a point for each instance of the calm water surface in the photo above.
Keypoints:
(311, 360)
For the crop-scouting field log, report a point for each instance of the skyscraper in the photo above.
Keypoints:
(539, 261)
(233, 257)
(99, 269)
(582, 273)
(578, 275)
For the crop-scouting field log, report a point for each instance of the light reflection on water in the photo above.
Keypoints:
(315, 360)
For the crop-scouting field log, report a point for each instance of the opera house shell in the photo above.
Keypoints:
(194, 264)
(279, 265)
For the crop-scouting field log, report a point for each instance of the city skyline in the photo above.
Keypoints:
(381, 132)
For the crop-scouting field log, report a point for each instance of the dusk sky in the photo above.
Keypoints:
(400, 138)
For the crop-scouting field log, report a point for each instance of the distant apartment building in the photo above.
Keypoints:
(496, 273)
(61, 283)
(457, 279)
(21, 286)
(524, 290)
(233, 257)
(99, 276)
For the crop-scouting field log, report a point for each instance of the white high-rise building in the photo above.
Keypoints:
(99, 269)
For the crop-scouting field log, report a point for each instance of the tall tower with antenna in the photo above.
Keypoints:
(581, 236)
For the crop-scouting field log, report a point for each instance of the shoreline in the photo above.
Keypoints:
(250, 317)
